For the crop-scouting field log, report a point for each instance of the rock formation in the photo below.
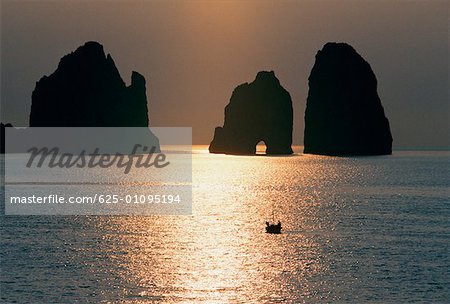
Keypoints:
(2, 136)
(344, 115)
(86, 90)
(259, 111)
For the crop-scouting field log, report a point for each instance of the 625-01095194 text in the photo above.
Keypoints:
(98, 198)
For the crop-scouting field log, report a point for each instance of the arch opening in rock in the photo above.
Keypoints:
(261, 148)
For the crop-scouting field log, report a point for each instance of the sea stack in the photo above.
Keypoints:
(258, 111)
(344, 115)
(2, 136)
(86, 90)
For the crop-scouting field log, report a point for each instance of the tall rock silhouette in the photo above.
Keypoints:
(86, 90)
(259, 111)
(344, 115)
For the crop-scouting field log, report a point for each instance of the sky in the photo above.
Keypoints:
(194, 53)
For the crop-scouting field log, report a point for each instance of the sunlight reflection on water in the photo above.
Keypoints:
(352, 232)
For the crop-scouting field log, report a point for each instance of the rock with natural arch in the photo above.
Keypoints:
(258, 111)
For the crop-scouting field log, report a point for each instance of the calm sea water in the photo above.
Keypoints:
(370, 229)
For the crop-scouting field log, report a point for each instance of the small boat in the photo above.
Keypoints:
(273, 228)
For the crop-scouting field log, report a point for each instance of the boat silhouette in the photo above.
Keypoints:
(273, 228)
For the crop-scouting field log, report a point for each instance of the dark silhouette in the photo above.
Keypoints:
(86, 90)
(273, 228)
(2, 136)
(344, 115)
(259, 111)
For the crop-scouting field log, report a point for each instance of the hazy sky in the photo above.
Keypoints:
(194, 53)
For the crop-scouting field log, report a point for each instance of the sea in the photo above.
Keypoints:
(355, 230)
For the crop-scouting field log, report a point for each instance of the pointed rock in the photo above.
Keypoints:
(87, 90)
(344, 115)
